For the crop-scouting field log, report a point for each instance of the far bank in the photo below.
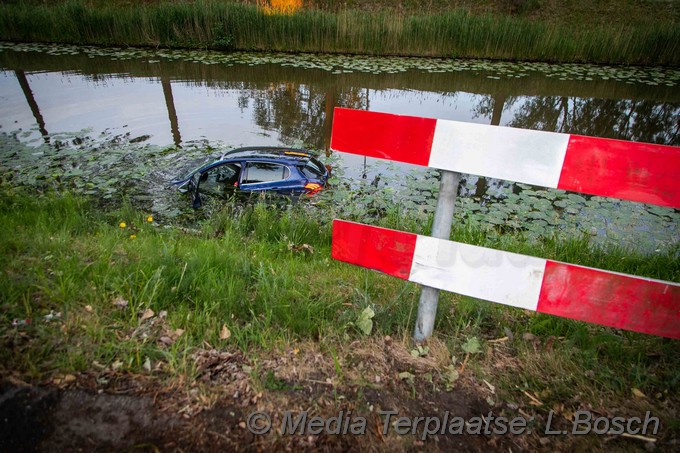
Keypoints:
(439, 32)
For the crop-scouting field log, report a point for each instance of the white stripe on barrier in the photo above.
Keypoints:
(503, 277)
(532, 157)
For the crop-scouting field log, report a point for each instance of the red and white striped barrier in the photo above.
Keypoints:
(576, 292)
(633, 171)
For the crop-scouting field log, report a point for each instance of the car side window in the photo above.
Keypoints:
(217, 180)
(259, 172)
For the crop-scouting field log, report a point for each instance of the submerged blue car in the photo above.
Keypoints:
(279, 170)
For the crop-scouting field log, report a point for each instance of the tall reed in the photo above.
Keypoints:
(212, 24)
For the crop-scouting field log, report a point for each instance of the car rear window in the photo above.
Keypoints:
(313, 169)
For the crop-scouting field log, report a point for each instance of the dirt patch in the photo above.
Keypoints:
(46, 418)
(49, 418)
(359, 393)
(360, 387)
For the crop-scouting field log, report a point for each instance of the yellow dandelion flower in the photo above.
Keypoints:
(149, 219)
(122, 224)
(132, 236)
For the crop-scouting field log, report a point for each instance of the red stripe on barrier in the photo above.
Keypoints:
(641, 172)
(388, 251)
(385, 136)
(610, 299)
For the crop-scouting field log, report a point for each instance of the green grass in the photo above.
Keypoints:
(61, 254)
(227, 25)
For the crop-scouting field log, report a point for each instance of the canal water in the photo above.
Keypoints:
(180, 103)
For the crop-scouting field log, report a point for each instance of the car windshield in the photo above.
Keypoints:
(195, 166)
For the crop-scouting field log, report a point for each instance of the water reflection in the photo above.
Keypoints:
(28, 94)
(185, 105)
(273, 104)
(172, 112)
(637, 120)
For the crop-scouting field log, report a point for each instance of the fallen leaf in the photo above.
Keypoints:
(409, 377)
(120, 302)
(365, 321)
(637, 393)
(225, 333)
(450, 376)
(52, 316)
(534, 401)
(528, 336)
(472, 346)
(69, 378)
(549, 343)
(169, 337)
(88, 308)
(148, 313)
(301, 248)
(147, 364)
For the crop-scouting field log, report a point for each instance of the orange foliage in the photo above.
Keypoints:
(280, 6)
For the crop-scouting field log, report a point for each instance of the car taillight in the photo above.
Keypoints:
(312, 188)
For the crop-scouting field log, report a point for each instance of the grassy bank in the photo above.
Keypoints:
(140, 297)
(446, 33)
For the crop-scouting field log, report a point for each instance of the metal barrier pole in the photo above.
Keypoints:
(441, 229)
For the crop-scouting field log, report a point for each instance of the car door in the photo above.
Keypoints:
(268, 176)
(220, 181)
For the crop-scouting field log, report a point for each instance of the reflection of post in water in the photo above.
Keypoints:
(481, 187)
(172, 113)
(328, 118)
(498, 104)
(26, 88)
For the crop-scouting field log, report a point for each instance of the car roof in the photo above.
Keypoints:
(280, 154)
(292, 155)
